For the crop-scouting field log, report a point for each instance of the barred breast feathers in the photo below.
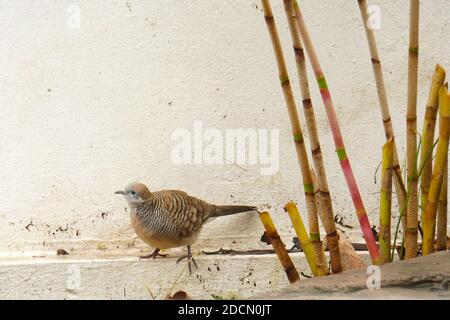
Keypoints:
(173, 214)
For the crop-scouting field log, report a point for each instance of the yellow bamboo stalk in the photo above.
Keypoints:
(441, 243)
(302, 235)
(384, 236)
(429, 222)
(308, 110)
(384, 107)
(427, 141)
(279, 247)
(411, 132)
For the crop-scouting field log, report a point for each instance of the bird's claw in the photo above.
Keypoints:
(153, 255)
(190, 259)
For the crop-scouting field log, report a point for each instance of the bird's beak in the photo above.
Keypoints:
(119, 192)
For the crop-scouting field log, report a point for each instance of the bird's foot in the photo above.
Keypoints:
(190, 260)
(153, 255)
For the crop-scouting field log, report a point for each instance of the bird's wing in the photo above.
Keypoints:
(187, 213)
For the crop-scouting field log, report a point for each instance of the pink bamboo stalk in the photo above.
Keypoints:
(337, 137)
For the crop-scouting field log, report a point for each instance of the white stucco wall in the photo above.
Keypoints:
(85, 111)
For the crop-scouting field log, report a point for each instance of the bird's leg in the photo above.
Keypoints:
(190, 259)
(153, 255)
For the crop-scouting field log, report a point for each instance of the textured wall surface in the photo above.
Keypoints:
(87, 110)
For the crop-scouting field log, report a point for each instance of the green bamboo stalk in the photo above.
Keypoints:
(337, 137)
(429, 222)
(302, 235)
(429, 125)
(384, 236)
(279, 247)
(403, 210)
(411, 132)
(384, 106)
(325, 203)
(441, 243)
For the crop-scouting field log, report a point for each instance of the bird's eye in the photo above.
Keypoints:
(133, 193)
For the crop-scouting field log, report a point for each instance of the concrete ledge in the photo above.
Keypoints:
(421, 278)
(93, 276)
(120, 275)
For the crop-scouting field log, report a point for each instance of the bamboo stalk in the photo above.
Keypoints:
(308, 110)
(402, 247)
(384, 236)
(429, 222)
(314, 232)
(338, 140)
(302, 235)
(429, 125)
(441, 243)
(411, 131)
(318, 245)
(279, 247)
(292, 110)
(384, 107)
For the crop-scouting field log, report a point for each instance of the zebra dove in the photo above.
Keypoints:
(170, 218)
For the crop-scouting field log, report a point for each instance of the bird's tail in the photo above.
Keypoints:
(227, 210)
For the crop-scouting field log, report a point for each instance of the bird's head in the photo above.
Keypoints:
(135, 193)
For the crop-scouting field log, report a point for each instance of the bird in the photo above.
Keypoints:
(171, 218)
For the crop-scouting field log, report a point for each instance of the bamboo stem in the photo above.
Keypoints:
(302, 235)
(411, 142)
(441, 243)
(338, 140)
(403, 210)
(292, 109)
(293, 116)
(308, 110)
(429, 125)
(429, 222)
(318, 245)
(384, 106)
(279, 247)
(384, 236)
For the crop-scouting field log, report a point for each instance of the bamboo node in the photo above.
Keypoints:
(308, 187)
(307, 103)
(342, 154)
(411, 230)
(300, 52)
(269, 19)
(284, 79)
(322, 83)
(332, 234)
(298, 137)
(316, 151)
(314, 237)
(375, 61)
(414, 50)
